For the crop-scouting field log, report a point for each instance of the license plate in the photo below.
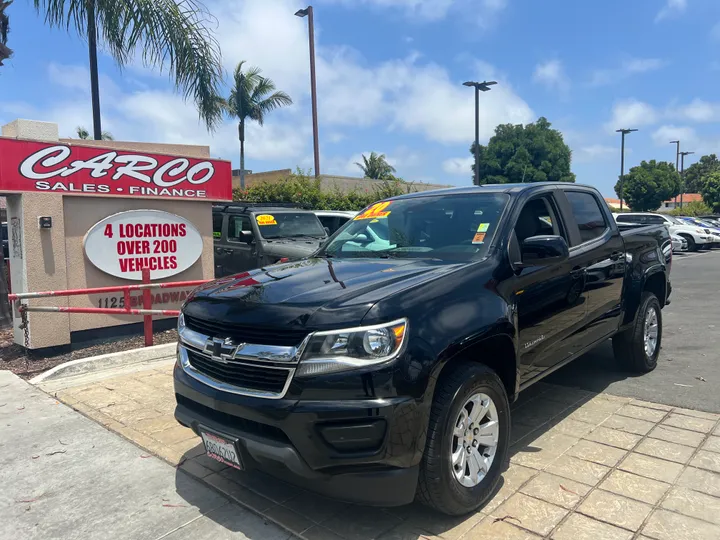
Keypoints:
(221, 449)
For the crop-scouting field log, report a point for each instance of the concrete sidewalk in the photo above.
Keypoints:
(584, 466)
(63, 476)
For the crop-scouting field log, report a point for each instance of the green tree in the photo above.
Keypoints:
(5, 51)
(170, 34)
(710, 190)
(531, 153)
(251, 98)
(697, 173)
(649, 184)
(376, 166)
(84, 134)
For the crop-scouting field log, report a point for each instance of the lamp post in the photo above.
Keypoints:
(622, 163)
(308, 12)
(682, 175)
(677, 161)
(479, 86)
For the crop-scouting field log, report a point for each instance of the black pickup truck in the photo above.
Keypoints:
(380, 369)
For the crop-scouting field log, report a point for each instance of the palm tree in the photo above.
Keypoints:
(5, 51)
(170, 33)
(376, 166)
(84, 134)
(251, 98)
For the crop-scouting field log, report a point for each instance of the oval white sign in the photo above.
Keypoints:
(123, 244)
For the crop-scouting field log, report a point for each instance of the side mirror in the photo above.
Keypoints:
(544, 250)
(247, 237)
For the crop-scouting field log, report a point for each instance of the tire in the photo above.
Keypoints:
(629, 346)
(438, 486)
(692, 246)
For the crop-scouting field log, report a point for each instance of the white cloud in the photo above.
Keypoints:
(552, 75)
(631, 114)
(484, 11)
(698, 111)
(458, 166)
(628, 67)
(593, 152)
(671, 9)
(664, 134)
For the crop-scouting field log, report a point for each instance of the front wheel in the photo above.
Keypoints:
(692, 246)
(638, 347)
(467, 441)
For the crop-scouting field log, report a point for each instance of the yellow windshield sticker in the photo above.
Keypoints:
(483, 227)
(375, 221)
(376, 211)
(479, 238)
(266, 219)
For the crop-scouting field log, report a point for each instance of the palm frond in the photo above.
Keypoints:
(173, 35)
(253, 96)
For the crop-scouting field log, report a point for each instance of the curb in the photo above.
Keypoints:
(106, 361)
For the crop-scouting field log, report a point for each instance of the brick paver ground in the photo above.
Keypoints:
(584, 466)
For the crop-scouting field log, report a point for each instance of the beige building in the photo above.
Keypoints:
(43, 259)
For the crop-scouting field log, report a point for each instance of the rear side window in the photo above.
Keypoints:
(655, 220)
(588, 215)
(217, 225)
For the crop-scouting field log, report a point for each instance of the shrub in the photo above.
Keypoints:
(694, 208)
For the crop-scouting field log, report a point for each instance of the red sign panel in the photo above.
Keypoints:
(88, 170)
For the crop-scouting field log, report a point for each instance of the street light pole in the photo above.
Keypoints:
(308, 11)
(677, 162)
(682, 175)
(485, 87)
(622, 163)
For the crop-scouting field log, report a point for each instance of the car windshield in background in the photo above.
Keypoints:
(289, 225)
(457, 228)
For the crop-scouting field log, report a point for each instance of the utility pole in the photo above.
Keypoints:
(682, 175)
(308, 12)
(622, 163)
(485, 87)
(677, 163)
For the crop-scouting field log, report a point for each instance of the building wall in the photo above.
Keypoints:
(81, 273)
(187, 150)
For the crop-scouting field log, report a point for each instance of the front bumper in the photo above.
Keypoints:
(363, 451)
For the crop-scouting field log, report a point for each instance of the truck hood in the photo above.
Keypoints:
(292, 248)
(312, 293)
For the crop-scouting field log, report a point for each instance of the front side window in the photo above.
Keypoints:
(289, 225)
(588, 215)
(237, 225)
(456, 228)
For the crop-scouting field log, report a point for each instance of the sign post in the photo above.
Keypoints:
(147, 319)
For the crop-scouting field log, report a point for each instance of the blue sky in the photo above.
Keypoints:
(390, 76)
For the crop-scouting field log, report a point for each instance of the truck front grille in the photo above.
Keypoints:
(282, 337)
(252, 377)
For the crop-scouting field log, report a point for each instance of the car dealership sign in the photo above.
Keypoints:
(88, 170)
(123, 244)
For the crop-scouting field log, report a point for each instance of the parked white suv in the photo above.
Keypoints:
(696, 237)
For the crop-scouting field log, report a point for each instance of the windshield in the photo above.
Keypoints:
(458, 228)
(289, 225)
(675, 220)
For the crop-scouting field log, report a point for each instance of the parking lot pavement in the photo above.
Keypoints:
(691, 340)
(583, 466)
(64, 476)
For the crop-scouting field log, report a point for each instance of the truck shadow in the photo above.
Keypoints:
(547, 420)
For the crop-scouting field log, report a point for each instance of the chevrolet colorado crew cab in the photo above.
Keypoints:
(381, 368)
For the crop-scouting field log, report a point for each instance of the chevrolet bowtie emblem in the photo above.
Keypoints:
(221, 350)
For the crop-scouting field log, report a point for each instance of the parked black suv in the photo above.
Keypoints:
(381, 369)
(248, 236)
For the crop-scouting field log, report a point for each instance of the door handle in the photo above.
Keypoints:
(615, 255)
(228, 251)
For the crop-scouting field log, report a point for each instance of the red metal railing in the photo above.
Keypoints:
(146, 311)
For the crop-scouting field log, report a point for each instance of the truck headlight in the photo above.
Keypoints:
(181, 322)
(340, 350)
